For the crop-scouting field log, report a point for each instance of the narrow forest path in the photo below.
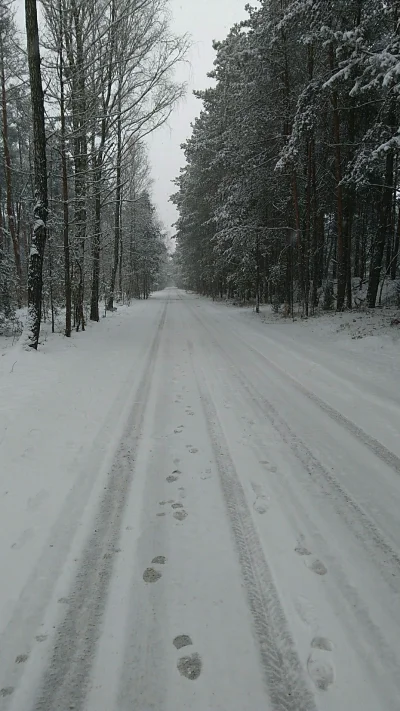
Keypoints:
(225, 538)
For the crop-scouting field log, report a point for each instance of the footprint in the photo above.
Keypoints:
(193, 450)
(151, 575)
(178, 430)
(180, 515)
(257, 488)
(25, 536)
(190, 667)
(171, 501)
(260, 504)
(41, 637)
(319, 664)
(189, 412)
(21, 658)
(322, 643)
(161, 514)
(162, 503)
(269, 466)
(177, 506)
(301, 550)
(183, 640)
(306, 611)
(159, 560)
(207, 475)
(6, 691)
(259, 508)
(317, 567)
(171, 478)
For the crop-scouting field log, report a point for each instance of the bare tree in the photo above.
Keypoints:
(109, 77)
(65, 191)
(7, 27)
(146, 53)
(35, 269)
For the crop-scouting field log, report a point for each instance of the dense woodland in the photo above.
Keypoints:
(79, 94)
(290, 193)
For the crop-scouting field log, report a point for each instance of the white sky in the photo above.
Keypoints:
(204, 21)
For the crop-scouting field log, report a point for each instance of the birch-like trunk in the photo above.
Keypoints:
(35, 268)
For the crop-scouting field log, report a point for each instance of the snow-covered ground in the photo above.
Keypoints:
(199, 510)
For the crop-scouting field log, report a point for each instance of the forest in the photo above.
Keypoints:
(80, 91)
(290, 192)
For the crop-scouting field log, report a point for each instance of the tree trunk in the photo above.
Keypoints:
(121, 253)
(77, 73)
(316, 257)
(117, 218)
(383, 228)
(393, 268)
(258, 273)
(385, 220)
(94, 302)
(35, 270)
(8, 176)
(2, 240)
(307, 231)
(296, 207)
(98, 172)
(340, 252)
(67, 273)
(357, 251)
(347, 240)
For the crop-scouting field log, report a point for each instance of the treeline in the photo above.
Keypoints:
(290, 191)
(107, 82)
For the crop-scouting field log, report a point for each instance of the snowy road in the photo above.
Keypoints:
(225, 537)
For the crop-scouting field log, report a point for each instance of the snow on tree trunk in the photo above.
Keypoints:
(35, 268)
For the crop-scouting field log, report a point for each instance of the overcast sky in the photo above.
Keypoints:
(204, 21)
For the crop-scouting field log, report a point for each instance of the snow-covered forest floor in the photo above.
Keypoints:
(358, 322)
(355, 324)
(190, 491)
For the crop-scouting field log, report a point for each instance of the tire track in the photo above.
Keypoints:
(385, 557)
(283, 672)
(379, 550)
(66, 680)
(379, 449)
(357, 520)
(39, 587)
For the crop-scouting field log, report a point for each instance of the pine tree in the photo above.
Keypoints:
(290, 184)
